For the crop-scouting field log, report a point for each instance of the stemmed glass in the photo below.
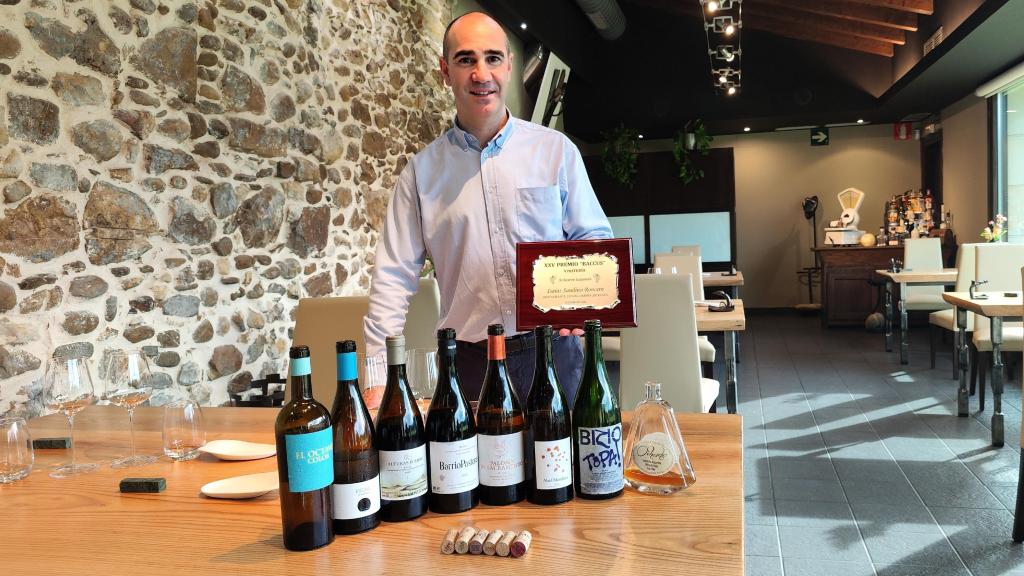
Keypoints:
(422, 370)
(68, 389)
(128, 385)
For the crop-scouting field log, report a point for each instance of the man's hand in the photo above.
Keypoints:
(575, 332)
(372, 397)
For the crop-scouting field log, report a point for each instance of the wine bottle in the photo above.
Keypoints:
(548, 434)
(401, 443)
(596, 426)
(356, 489)
(305, 466)
(499, 425)
(451, 433)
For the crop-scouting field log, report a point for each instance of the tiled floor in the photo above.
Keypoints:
(856, 465)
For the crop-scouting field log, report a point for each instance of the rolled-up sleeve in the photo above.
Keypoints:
(400, 257)
(582, 215)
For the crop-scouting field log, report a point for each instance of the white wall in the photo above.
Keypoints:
(776, 170)
(965, 181)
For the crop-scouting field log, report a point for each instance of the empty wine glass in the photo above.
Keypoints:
(16, 455)
(128, 385)
(421, 366)
(67, 388)
(184, 432)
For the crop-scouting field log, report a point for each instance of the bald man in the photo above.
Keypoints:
(487, 183)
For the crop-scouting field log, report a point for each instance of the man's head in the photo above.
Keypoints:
(477, 64)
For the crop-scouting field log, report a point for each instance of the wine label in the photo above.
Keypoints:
(553, 463)
(453, 466)
(310, 460)
(347, 366)
(502, 459)
(356, 500)
(600, 459)
(300, 367)
(654, 454)
(403, 473)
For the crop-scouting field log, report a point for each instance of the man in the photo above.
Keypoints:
(466, 200)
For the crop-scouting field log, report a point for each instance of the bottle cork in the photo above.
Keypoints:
(502, 547)
(448, 544)
(462, 543)
(521, 544)
(476, 544)
(492, 541)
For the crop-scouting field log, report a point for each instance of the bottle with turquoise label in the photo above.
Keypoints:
(305, 461)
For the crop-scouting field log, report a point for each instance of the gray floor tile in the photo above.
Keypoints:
(949, 484)
(891, 493)
(761, 541)
(804, 468)
(820, 514)
(757, 486)
(910, 548)
(759, 512)
(808, 490)
(841, 543)
(957, 569)
(762, 566)
(880, 519)
(815, 567)
(868, 470)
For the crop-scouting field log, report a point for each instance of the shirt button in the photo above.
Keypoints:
(501, 273)
(509, 312)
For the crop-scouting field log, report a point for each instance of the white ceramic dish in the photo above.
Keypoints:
(240, 487)
(238, 450)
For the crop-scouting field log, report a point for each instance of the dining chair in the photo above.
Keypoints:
(998, 264)
(423, 316)
(669, 263)
(946, 319)
(319, 323)
(663, 346)
(689, 249)
(924, 254)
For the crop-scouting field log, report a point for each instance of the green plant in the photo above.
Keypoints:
(693, 138)
(620, 153)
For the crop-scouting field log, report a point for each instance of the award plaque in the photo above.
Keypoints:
(566, 282)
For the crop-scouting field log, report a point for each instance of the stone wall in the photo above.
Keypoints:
(177, 174)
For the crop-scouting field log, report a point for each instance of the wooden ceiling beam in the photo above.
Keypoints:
(821, 22)
(786, 29)
(915, 6)
(848, 11)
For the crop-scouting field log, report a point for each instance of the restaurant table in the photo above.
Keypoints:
(906, 278)
(728, 323)
(83, 525)
(732, 283)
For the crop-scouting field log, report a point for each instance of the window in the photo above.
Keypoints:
(1010, 177)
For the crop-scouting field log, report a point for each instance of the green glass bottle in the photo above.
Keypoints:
(596, 426)
(305, 461)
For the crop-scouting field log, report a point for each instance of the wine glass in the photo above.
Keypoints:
(128, 385)
(373, 376)
(422, 369)
(68, 389)
(16, 454)
(184, 431)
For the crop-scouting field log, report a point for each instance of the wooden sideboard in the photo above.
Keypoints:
(846, 296)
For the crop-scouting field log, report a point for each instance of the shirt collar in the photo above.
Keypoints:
(467, 141)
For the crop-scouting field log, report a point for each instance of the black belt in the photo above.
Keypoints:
(513, 344)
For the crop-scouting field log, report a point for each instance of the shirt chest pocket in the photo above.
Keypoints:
(538, 211)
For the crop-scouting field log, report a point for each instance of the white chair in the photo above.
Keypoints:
(319, 323)
(689, 249)
(921, 254)
(946, 319)
(1000, 265)
(670, 263)
(663, 346)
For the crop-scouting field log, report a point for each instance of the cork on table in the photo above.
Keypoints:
(85, 525)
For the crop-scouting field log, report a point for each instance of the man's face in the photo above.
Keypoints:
(477, 68)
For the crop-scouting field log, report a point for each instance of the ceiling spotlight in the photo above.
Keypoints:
(723, 79)
(522, 26)
(731, 90)
(640, 136)
(729, 30)
(860, 120)
(746, 128)
(712, 6)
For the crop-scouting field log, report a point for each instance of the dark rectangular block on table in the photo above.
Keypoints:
(51, 443)
(143, 484)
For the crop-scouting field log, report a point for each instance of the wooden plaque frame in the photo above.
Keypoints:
(622, 315)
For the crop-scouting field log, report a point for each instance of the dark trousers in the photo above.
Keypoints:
(521, 358)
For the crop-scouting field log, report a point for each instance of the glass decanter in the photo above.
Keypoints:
(656, 458)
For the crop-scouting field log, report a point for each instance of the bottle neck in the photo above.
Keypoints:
(302, 382)
(495, 348)
(544, 357)
(348, 374)
(594, 352)
(446, 359)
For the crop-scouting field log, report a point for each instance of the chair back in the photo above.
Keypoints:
(319, 323)
(663, 346)
(921, 254)
(689, 249)
(965, 266)
(998, 263)
(424, 313)
(683, 264)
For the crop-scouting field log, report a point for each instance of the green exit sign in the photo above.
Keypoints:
(819, 136)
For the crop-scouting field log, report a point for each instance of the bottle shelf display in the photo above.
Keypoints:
(911, 215)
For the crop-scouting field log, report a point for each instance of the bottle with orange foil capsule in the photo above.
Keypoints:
(500, 426)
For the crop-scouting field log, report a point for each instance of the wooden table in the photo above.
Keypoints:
(906, 278)
(83, 525)
(721, 279)
(728, 323)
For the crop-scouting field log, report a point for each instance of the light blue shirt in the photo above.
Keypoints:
(467, 208)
